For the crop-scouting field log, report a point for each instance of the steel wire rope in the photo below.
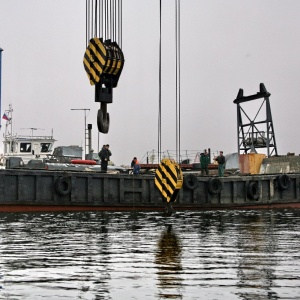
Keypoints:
(109, 20)
(120, 44)
(86, 17)
(87, 10)
(103, 16)
(118, 30)
(96, 17)
(159, 88)
(105, 19)
(99, 23)
(114, 20)
(178, 104)
(92, 18)
(176, 79)
(121, 21)
(133, 190)
(117, 21)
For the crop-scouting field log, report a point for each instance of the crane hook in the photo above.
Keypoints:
(103, 118)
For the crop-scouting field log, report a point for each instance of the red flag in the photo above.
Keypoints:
(5, 117)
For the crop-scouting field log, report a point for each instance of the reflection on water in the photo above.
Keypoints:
(168, 262)
(259, 248)
(121, 255)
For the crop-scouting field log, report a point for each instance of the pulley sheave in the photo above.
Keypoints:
(103, 59)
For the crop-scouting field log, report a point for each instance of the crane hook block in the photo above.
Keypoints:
(103, 62)
(168, 179)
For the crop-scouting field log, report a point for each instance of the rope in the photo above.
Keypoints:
(100, 26)
(133, 192)
(177, 88)
(176, 75)
(120, 24)
(92, 14)
(87, 9)
(104, 19)
(111, 20)
(96, 17)
(159, 93)
(115, 20)
(177, 45)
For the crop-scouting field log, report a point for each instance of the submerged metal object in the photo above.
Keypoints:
(168, 180)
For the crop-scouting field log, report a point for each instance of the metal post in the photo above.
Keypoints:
(85, 129)
(89, 127)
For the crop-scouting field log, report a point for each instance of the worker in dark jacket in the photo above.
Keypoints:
(135, 165)
(104, 155)
(221, 163)
(204, 161)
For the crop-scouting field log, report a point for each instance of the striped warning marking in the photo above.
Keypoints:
(168, 179)
(102, 58)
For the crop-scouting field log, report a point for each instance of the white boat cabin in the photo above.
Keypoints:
(25, 146)
(28, 147)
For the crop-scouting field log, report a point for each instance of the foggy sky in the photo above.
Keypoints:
(225, 46)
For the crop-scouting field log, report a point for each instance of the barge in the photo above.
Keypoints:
(45, 190)
(260, 181)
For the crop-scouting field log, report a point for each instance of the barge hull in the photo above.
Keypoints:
(43, 190)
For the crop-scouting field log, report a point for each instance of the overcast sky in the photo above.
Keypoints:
(225, 46)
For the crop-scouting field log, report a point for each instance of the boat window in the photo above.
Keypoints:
(25, 147)
(45, 147)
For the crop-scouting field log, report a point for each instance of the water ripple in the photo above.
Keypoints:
(114, 255)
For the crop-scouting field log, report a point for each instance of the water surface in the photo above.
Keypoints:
(253, 254)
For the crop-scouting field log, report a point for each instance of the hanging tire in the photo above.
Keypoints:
(63, 185)
(215, 186)
(253, 190)
(102, 121)
(190, 182)
(284, 181)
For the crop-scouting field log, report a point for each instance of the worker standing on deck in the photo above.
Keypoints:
(135, 165)
(204, 161)
(109, 152)
(104, 155)
(221, 163)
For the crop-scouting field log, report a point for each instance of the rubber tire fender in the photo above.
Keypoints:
(283, 181)
(215, 186)
(253, 190)
(63, 185)
(190, 182)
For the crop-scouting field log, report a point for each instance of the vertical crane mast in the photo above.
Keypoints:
(103, 59)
